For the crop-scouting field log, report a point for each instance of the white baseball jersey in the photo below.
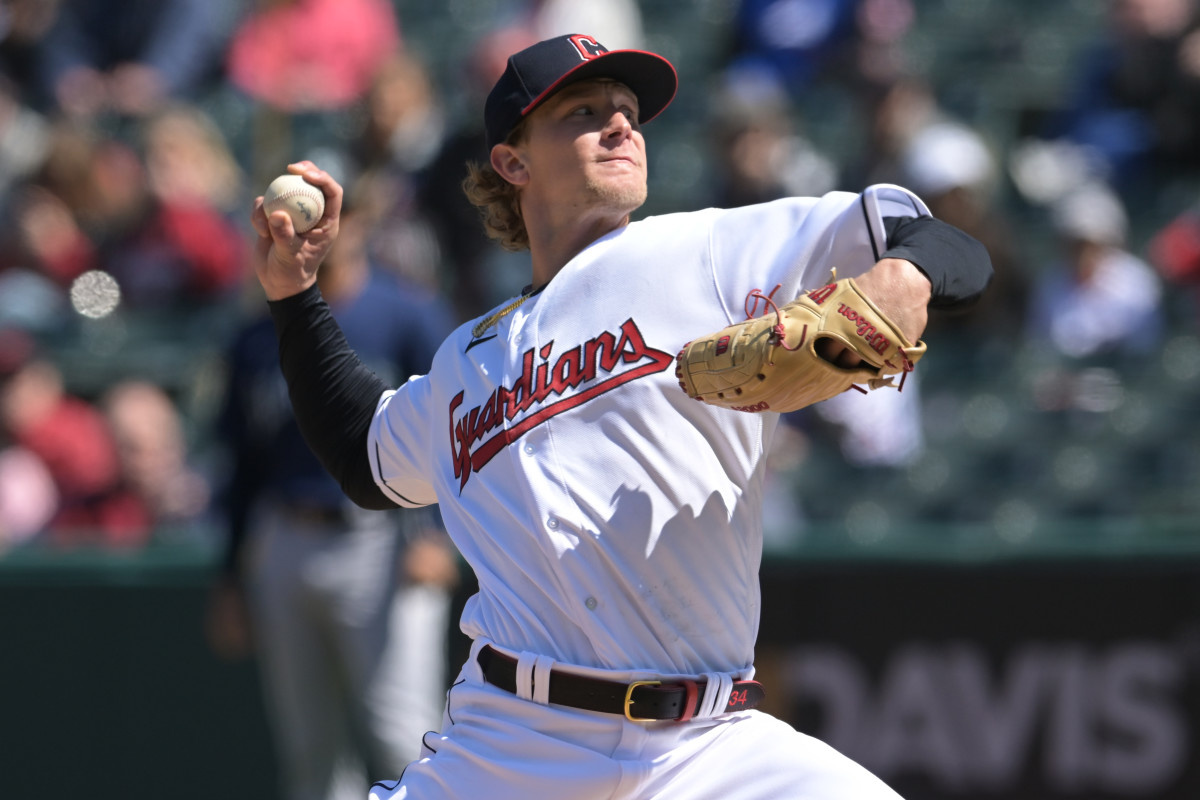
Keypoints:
(613, 522)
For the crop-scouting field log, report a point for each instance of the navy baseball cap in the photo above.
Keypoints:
(540, 70)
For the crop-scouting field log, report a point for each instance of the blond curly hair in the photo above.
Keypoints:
(498, 201)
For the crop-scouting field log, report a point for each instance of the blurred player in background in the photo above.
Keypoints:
(347, 608)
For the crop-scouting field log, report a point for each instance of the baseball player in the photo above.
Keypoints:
(612, 520)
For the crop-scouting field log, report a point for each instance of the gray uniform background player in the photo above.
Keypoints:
(611, 521)
(348, 608)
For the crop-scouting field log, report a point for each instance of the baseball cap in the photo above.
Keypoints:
(1091, 212)
(537, 72)
(945, 156)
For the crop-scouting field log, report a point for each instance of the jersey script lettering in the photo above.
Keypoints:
(621, 357)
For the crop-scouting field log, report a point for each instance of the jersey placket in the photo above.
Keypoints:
(553, 513)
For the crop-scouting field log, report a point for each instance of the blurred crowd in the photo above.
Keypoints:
(134, 134)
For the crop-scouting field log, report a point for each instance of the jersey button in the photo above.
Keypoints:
(529, 449)
(591, 603)
(552, 523)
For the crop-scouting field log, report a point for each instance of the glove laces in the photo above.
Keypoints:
(778, 334)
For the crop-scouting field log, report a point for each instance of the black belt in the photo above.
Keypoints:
(638, 701)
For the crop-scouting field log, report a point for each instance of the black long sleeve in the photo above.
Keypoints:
(957, 265)
(333, 394)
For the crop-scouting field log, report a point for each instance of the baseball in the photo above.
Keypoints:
(303, 202)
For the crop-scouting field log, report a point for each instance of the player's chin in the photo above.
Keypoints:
(624, 192)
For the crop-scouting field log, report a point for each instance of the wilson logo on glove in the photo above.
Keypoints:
(770, 363)
(876, 340)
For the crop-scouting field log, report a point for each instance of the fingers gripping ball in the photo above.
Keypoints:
(771, 363)
(303, 202)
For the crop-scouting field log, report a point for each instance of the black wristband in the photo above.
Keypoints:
(958, 266)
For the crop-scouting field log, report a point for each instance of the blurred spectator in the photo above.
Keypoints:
(42, 242)
(189, 163)
(617, 23)
(794, 39)
(950, 166)
(28, 496)
(158, 487)
(167, 236)
(877, 56)
(48, 237)
(65, 169)
(347, 609)
(475, 269)
(405, 129)
(188, 248)
(915, 142)
(894, 114)
(128, 57)
(165, 250)
(1135, 105)
(761, 154)
(49, 241)
(880, 429)
(306, 55)
(153, 224)
(71, 438)
(304, 66)
(852, 43)
(23, 135)
(1174, 249)
(405, 122)
(163, 254)
(1098, 299)
(23, 25)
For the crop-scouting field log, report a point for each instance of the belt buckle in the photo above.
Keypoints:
(629, 700)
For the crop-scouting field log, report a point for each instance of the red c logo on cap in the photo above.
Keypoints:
(588, 47)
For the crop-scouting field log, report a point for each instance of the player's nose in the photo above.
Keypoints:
(618, 125)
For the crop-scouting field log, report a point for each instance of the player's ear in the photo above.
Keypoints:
(509, 163)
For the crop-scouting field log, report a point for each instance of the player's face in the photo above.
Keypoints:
(584, 150)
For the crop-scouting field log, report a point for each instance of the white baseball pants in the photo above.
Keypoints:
(496, 745)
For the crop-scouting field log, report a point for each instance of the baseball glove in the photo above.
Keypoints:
(771, 363)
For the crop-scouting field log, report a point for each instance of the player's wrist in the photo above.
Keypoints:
(892, 274)
(901, 291)
(276, 292)
(287, 303)
(280, 281)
